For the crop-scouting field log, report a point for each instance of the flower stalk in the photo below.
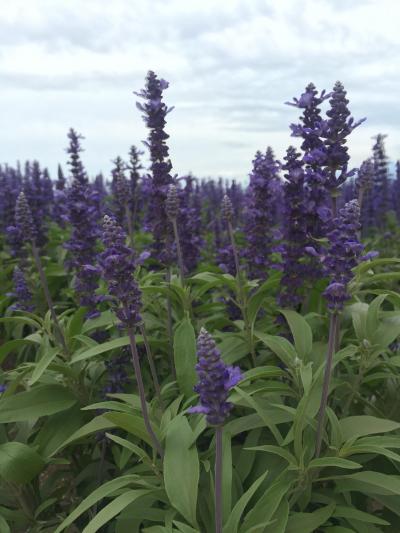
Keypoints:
(227, 213)
(138, 373)
(334, 321)
(218, 479)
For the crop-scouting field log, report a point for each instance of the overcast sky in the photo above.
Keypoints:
(231, 66)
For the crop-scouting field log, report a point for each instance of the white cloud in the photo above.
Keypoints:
(231, 65)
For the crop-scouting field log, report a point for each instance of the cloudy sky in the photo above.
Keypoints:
(231, 66)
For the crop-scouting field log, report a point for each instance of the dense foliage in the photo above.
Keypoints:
(184, 355)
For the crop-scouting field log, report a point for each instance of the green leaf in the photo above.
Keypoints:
(306, 376)
(309, 522)
(280, 519)
(75, 323)
(130, 446)
(359, 312)
(336, 433)
(4, 527)
(255, 301)
(266, 506)
(232, 525)
(181, 463)
(100, 349)
(133, 424)
(45, 360)
(105, 490)
(97, 424)
(370, 483)
(45, 505)
(185, 356)
(359, 426)
(21, 320)
(107, 318)
(184, 528)
(113, 509)
(387, 332)
(19, 463)
(280, 346)
(263, 413)
(301, 331)
(57, 429)
(12, 346)
(39, 401)
(264, 372)
(373, 314)
(351, 512)
(277, 450)
(335, 462)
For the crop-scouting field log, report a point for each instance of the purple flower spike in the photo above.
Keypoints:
(24, 220)
(294, 268)
(21, 293)
(216, 379)
(117, 264)
(343, 254)
(154, 113)
(260, 213)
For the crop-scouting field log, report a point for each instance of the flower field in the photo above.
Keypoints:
(183, 355)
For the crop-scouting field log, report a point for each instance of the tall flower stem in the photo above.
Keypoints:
(49, 300)
(138, 373)
(242, 297)
(179, 251)
(128, 216)
(169, 327)
(334, 320)
(151, 364)
(218, 479)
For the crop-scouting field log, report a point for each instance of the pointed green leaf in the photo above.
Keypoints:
(106, 489)
(185, 357)
(181, 462)
(301, 332)
(39, 401)
(19, 463)
(359, 426)
(113, 509)
(232, 525)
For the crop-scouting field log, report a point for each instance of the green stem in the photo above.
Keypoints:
(49, 300)
(218, 479)
(169, 328)
(179, 252)
(138, 373)
(152, 365)
(242, 297)
(128, 216)
(326, 383)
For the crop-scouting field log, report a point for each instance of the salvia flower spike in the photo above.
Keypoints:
(118, 264)
(24, 219)
(21, 293)
(25, 225)
(172, 202)
(227, 208)
(216, 379)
